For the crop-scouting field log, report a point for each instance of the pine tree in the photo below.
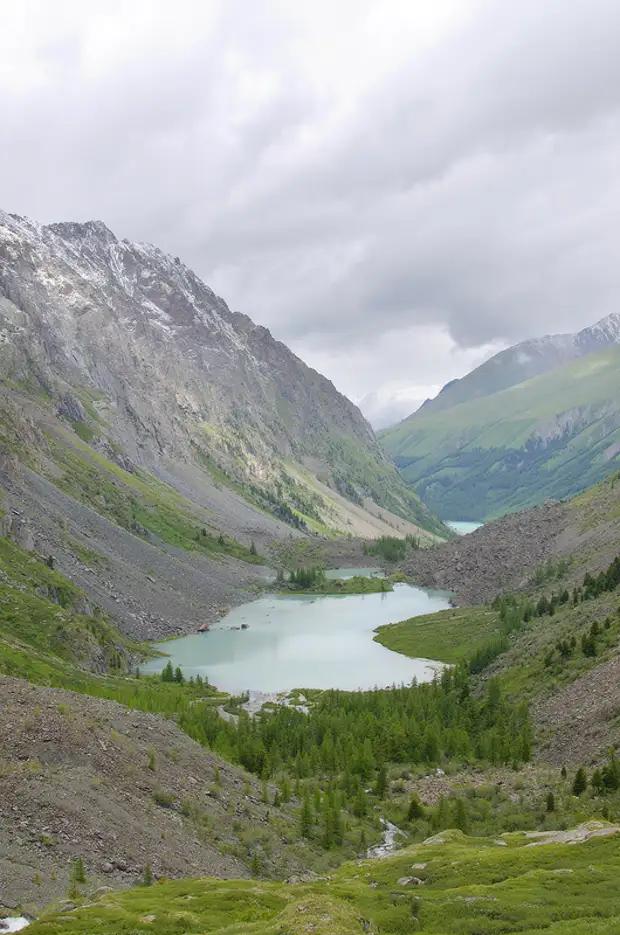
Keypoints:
(147, 877)
(255, 864)
(178, 675)
(167, 674)
(580, 783)
(338, 825)
(597, 781)
(305, 818)
(416, 810)
(441, 816)
(610, 774)
(360, 804)
(550, 803)
(79, 874)
(381, 784)
(328, 827)
(461, 820)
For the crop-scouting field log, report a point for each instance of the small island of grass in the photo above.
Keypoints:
(314, 581)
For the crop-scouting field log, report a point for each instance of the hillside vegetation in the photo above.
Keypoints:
(133, 804)
(449, 886)
(522, 551)
(548, 437)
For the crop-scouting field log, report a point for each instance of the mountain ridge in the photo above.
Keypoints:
(524, 360)
(176, 372)
(549, 436)
(388, 407)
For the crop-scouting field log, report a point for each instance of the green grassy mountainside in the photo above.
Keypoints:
(548, 437)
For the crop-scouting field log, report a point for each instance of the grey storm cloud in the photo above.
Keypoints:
(331, 188)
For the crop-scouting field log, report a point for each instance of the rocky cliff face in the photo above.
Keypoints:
(173, 361)
(140, 356)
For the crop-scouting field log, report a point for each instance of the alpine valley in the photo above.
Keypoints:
(143, 421)
(163, 460)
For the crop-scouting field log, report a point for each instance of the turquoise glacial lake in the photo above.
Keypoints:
(306, 641)
(463, 528)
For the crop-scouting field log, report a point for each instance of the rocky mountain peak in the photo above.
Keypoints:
(173, 370)
(525, 360)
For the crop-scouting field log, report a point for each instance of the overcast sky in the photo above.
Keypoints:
(396, 188)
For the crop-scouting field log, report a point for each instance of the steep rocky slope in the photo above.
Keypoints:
(156, 444)
(504, 555)
(84, 777)
(549, 436)
(146, 363)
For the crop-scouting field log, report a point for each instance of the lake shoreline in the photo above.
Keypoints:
(278, 642)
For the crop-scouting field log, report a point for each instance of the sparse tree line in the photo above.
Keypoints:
(515, 611)
(307, 578)
(391, 548)
(605, 779)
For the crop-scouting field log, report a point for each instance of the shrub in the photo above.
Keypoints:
(163, 798)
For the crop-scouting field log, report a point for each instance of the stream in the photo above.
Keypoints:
(14, 924)
(388, 845)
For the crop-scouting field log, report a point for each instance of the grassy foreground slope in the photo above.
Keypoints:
(451, 884)
(548, 437)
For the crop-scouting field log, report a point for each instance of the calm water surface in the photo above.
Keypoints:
(303, 641)
(463, 528)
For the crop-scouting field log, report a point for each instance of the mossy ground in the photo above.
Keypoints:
(470, 886)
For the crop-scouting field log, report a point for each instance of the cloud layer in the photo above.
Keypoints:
(395, 188)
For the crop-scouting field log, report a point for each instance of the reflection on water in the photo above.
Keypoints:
(303, 641)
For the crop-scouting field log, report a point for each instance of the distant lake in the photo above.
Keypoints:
(305, 641)
(463, 528)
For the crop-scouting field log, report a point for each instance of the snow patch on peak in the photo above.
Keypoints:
(606, 327)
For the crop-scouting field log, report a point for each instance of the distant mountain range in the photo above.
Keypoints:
(540, 419)
(525, 360)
